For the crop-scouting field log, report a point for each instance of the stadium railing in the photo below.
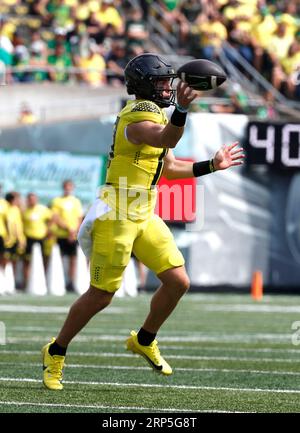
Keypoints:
(258, 82)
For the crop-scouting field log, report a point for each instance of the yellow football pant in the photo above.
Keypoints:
(113, 241)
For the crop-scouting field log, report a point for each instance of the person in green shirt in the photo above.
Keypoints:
(38, 62)
(60, 12)
(59, 61)
(58, 38)
(170, 4)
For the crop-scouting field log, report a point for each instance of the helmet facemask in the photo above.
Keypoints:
(158, 90)
(142, 76)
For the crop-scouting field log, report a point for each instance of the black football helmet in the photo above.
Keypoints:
(142, 75)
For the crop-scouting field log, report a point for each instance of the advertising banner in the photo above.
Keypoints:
(44, 172)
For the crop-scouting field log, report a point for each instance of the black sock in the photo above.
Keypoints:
(145, 338)
(56, 349)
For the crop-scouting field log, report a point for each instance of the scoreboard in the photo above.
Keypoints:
(274, 144)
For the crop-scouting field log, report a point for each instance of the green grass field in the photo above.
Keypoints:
(229, 354)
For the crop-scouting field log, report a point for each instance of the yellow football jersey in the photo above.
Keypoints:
(134, 170)
(14, 225)
(35, 221)
(3, 211)
(69, 210)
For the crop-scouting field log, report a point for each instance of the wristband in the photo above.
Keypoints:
(178, 117)
(181, 109)
(211, 165)
(203, 167)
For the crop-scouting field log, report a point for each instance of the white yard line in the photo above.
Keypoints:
(244, 308)
(14, 308)
(238, 338)
(90, 406)
(135, 368)
(48, 329)
(152, 385)
(187, 336)
(187, 357)
(233, 308)
(92, 332)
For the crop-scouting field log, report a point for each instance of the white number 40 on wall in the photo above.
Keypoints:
(268, 143)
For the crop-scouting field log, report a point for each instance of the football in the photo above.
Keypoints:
(202, 74)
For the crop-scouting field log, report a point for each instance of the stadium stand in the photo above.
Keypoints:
(89, 42)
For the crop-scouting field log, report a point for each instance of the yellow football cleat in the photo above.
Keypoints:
(151, 353)
(52, 368)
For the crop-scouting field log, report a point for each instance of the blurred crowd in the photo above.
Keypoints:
(70, 40)
(90, 41)
(265, 32)
(25, 221)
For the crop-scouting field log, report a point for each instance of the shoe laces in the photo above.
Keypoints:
(56, 368)
(155, 351)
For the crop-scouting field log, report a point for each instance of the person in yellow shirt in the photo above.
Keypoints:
(3, 230)
(274, 50)
(290, 16)
(36, 221)
(284, 73)
(15, 241)
(26, 116)
(108, 14)
(236, 9)
(93, 67)
(82, 9)
(263, 28)
(280, 43)
(212, 34)
(67, 215)
(141, 152)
